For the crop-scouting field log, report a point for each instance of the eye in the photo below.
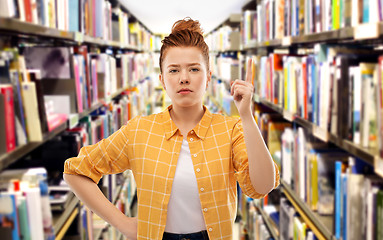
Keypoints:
(173, 70)
(195, 69)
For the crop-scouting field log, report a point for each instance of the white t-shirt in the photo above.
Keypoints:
(184, 208)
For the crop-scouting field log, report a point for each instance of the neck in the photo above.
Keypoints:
(186, 118)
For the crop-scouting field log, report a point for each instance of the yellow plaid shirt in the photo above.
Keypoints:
(150, 147)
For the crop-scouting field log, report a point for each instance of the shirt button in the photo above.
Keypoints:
(195, 155)
(205, 209)
(191, 132)
(198, 170)
(191, 139)
(210, 229)
(202, 189)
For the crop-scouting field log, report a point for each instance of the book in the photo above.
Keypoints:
(3, 137)
(31, 112)
(7, 93)
(8, 214)
(36, 78)
(20, 125)
(8, 8)
(287, 213)
(338, 199)
(326, 179)
(287, 166)
(354, 206)
(368, 109)
(90, 82)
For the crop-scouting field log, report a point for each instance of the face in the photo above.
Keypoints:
(185, 76)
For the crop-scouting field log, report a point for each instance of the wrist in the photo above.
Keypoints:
(246, 115)
(128, 227)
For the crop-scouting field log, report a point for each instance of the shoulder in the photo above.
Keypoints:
(228, 121)
(144, 122)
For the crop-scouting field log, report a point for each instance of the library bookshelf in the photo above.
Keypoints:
(17, 32)
(268, 30)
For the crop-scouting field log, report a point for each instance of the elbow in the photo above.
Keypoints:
(264, 189)
(263, 185)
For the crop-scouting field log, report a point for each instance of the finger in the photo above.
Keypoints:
(249, 71)
(240, 90)
(234, 84)
(239, 93)
(239, 83)
(242, 83)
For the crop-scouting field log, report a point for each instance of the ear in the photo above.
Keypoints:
(208, 79)
(161, 78)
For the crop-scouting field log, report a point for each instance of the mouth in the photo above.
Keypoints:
(184, 91)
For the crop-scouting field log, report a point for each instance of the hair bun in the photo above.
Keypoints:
(187, 24)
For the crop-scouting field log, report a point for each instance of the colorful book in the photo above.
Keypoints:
(8, 214)
(7, 93)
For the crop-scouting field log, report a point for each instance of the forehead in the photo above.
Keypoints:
(183, 55)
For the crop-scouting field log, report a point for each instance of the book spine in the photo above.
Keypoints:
(338, 191)
(28, 11)
(31, 112)
(78, 84)
(7, 92)
(8, 214)
(344, 207)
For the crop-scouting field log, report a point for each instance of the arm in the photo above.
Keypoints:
(261, 166)
(89, 193)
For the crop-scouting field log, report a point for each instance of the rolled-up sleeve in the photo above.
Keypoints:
(241, 163)
(108, 156)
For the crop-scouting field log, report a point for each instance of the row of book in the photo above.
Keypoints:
(275, 19)
(16, 209)
(293, 227)
(89, 17)
(333, 183)
(95, 18)
(338, 89)
(42, 87)
(261, 217)
(226, 66)
(25, 209)
(225, 38)
(330, 181)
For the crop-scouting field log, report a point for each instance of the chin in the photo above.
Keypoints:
(186, 104)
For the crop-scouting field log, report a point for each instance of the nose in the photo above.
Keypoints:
(184, 78)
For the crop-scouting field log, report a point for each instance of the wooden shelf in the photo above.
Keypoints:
(26, 29)
(348, 33)
(367, 155)
(320, 225)
(11, 157)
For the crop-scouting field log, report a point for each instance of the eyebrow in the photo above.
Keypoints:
(189, 64)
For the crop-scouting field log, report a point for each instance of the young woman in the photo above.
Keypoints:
(186, 161)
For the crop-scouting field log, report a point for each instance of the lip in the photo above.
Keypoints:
(184, 91)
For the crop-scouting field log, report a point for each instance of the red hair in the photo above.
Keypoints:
(185, 33)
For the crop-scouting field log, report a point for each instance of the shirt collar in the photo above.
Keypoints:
(200, 130)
